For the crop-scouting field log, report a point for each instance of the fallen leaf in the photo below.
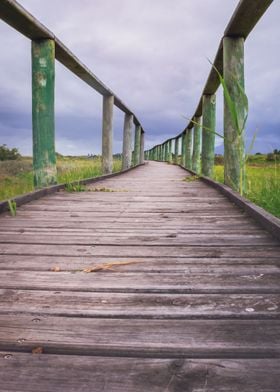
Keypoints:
(103, 267)
(56, 269)
(37, 350)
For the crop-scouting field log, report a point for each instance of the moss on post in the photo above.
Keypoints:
(208, 137)
(43, 83)
(196, 145)
(234, 152)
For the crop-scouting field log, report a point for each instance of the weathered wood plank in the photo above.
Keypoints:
(131, 238)
(140, 251)
(125, 305)
(70, 373)
(143, 338)
(187, 265)
(215, 283)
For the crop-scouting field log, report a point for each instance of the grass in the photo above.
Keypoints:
(16, 177)
(262, 184)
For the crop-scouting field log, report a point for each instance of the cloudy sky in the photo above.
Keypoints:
(152, 54)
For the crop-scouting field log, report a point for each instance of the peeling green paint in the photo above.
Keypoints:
(176, 151)
(137, 143)
(43, 80)
(208, 138)
(184, 149)
(196, 145)
(188, 159)
(234, 154)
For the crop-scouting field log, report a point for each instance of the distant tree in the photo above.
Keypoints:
(258, 153)
(276, 152)
(7, 153)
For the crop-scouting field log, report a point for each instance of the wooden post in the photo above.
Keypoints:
(43, 83)
(107, 134)
(196, 145)
(183, 149)
(234, 152)
(166, 152)
(137, 142)
(188, 159)
(170, 151)
(142, 146)
(208, 138)
(176, 150)
(127, 141)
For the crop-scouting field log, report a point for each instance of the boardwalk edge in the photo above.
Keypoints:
(264, 218)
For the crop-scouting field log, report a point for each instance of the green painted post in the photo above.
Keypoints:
(170, 151)
(176, 150)
(107, 134)
(137, 142)
(208, 138)
(127, 141)
(188, 159)
(43, 84)
(196, 145)
(183, 149)
(142, 146)
(166, 152)
(234, 151)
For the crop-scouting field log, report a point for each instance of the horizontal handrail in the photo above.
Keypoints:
(242, 22)
(25, 23)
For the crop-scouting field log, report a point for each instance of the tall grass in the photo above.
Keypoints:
(16, 177)
(262, 185)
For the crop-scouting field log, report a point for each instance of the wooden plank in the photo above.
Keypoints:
(201, 283)
(70, 373)
(138, 239)
(140, 251)
(187, 265)
(125, 305)
(143, 338)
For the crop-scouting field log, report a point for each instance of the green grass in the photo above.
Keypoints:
(16, 177)
(262, 184)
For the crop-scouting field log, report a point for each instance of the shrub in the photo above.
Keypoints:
(8, 153)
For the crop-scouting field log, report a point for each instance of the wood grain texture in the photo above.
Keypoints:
(70, 373)
(193, 301)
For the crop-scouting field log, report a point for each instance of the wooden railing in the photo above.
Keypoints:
(197, 142)
(46, 47)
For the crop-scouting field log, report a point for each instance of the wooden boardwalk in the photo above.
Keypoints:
(195, 307)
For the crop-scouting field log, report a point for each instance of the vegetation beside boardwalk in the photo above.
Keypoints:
(16, 176)
(262, 182)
